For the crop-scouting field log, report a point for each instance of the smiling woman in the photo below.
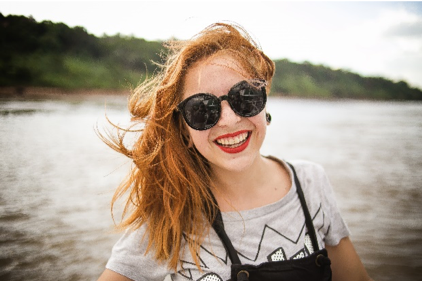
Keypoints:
(203, 203)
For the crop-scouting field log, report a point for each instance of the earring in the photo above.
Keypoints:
(268, 118)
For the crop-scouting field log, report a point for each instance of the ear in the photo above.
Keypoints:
(268, 118)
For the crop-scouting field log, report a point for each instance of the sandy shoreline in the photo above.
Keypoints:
(49, 91)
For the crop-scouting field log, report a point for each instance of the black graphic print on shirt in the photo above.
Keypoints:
(279, 252)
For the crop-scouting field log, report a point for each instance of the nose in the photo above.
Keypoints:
(228, 117)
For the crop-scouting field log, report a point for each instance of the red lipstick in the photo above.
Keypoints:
(234, 149)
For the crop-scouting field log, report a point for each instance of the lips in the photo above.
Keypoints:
(233, 143)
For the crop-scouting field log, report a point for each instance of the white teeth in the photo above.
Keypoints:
(233, 141)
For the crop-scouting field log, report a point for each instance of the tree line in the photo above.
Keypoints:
(47, 54)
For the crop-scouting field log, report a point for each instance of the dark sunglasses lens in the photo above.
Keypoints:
(247, 100)
(202, 111)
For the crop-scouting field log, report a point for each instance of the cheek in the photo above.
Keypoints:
(199, 138)
(260, 122)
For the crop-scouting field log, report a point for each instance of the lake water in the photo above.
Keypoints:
(57, 179)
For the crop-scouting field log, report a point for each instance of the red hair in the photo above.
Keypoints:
(169, 187)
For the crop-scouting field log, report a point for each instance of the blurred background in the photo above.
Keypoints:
(346, 94)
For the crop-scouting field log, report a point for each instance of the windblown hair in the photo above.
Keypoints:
(169, 187)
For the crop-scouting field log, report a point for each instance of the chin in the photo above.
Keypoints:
(236, 164)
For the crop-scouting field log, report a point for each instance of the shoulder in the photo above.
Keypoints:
(310, 173)
(314, 182)
(320, 195)
(131, 251)
(312, 176)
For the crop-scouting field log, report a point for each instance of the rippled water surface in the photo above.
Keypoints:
(57, 179)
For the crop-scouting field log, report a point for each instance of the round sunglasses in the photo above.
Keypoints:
(202, 111)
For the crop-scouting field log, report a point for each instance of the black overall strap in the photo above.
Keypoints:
(218, 226)
(308, 218)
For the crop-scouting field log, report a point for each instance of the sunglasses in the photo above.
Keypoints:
(202, 111)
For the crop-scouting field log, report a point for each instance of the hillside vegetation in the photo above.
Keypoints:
(46, 54)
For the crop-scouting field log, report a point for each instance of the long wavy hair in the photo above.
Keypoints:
(169, 188)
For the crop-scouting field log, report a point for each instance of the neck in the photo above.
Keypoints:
(249, 188)
(236, 182)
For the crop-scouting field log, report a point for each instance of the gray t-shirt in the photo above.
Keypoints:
(270, 233)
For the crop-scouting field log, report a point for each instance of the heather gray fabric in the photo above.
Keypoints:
(269, 233)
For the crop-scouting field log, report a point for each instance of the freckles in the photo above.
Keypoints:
(259, 120)
(260, 124)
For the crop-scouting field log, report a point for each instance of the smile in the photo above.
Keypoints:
(234, 143)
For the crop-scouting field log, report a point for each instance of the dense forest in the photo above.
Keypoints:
(47, 54)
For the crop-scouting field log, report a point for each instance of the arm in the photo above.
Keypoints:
(345, 262)
(109, 275)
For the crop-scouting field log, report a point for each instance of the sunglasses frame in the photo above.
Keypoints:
(261, 87)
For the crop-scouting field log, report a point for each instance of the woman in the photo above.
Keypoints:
(204, 204)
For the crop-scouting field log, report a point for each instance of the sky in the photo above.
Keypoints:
(369, 38)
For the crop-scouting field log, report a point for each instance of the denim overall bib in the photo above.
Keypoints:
(315, 267)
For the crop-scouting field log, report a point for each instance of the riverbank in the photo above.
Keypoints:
(35, 92)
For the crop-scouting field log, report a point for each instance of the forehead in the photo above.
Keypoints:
(214, 75)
